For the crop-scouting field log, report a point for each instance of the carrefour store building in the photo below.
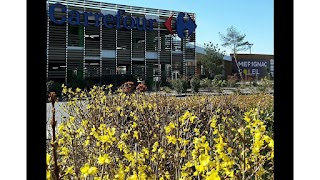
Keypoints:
(89, 40)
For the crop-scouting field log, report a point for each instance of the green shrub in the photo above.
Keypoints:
(167, 89)
(195, 84)
(205, 83)
(218, 83)
(219, 77)
(180, 85)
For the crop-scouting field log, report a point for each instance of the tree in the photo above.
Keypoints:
(235, 41)
(212, 61)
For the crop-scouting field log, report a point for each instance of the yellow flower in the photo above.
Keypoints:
(118, 108)
(271, 144)
(241, 131)
(213, 123)
(196, 130)
(48, 174)
(160, 151)
(124, 136)
(48, 158)
(155, 146)
(84, 123)
(192, 118)
(167, 175)
(213, 175)
(85, 169)
(172, 125)
(135, 134)
(185, 142)
(257, 136)
(247, 118)
(64, 151)
(105, 159)
(167, 129)
(86, 142)
(183, 153)
(70, 170)
(200, 168)
(60, 141)
(260, 172)
(78, 90)
(189, 164)
(204, 159)
(61, 128)
(72, 118)
(145, 150)
(104, 138)
(134, 176)
(172, 139)
(134, 125)
(93, 170)
(272, 155)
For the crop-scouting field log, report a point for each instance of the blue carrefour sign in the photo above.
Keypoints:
(107, 20)
(181, 25)
(111, 21)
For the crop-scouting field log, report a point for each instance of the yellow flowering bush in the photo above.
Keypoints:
(137, 136)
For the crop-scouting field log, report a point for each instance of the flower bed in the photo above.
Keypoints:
(162, 137)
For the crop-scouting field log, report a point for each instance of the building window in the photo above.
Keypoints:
(57, 66)
(121, 69)
(75, 36)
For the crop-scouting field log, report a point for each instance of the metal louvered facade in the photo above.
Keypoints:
(92, 52)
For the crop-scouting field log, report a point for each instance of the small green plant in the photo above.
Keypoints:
(265, 85)
(195, 84)
(219, 77)
(218, 83)
(167, 89)
(205, 83)
(180, 85)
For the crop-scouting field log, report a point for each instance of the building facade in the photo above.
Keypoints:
(89, 40)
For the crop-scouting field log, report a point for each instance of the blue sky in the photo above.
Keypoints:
(251, 17)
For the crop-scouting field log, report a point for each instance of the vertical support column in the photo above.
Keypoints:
(116, 47)
(194, 45)
(131, 45)
(100, 20)
(159, 49)
(84, 45)
(67, 37)
(145, 50)
(171, 39)
(48, 30)
(184, 57)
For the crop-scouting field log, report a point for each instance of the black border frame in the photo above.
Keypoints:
(283, 92)
(36, 93)
(36, 89)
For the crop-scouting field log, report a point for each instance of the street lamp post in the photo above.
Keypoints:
(250, 45)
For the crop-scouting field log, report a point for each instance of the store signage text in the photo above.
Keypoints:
(252, 64)
(109, 21)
